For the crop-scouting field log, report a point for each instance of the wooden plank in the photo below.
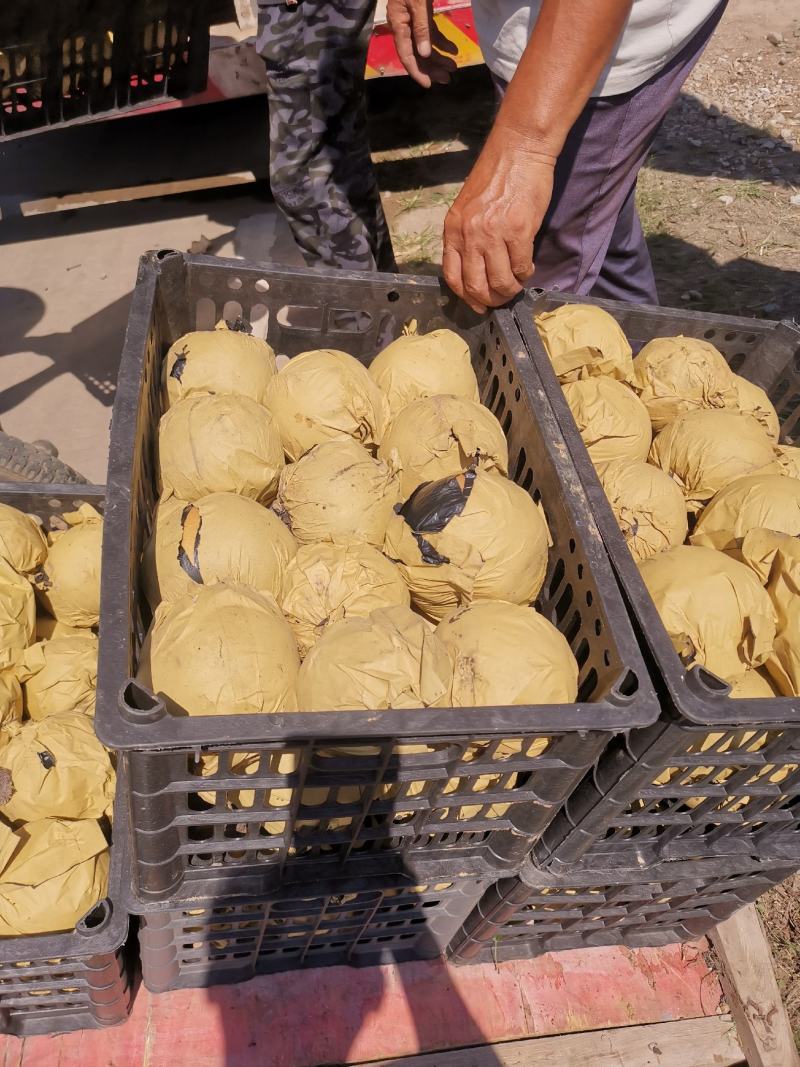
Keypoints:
(748, 980)
(709, 1042)
(246, 15)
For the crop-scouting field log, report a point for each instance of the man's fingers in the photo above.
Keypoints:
(405, 50)
(420, 27)
(520, 255)
(451, 268)
(499, 274)
(477, 291)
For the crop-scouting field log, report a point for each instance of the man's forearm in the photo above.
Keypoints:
(570, 44)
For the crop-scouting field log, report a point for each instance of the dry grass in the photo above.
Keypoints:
(780, 912)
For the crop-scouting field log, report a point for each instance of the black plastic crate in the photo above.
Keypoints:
(70, 61)
(538, 912)
(357, 923)
(657, 795)
(377, 805)
(51, 983)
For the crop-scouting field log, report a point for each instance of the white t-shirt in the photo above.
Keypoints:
(656, 31)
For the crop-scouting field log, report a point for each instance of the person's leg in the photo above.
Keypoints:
(627, 271)
(321, 171)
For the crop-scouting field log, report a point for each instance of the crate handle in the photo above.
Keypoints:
(138, 705)
(704, 683)
(95, 920)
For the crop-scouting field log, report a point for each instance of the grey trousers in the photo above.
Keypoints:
(591, 239)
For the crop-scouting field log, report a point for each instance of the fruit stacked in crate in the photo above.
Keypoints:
(61, 965)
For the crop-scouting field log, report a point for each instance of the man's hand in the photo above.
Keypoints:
(420, 43)
(489, 230)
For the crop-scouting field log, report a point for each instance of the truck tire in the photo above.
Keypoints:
(22, 462)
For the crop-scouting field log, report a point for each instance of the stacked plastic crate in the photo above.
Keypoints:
(681, 823)
(368, 836)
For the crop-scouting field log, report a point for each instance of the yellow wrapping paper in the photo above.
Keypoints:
(60, 675)
(219, 444)
(224, 650)
(759, 547)
(440, 436)
(22, 544)
(17, 613)
(391, 659)
(762, 501)
(495, 549)
(223, 537)
(583, 341)
(674, 375)
(58, 769)
(612, 421)
(337, 492)
(706, 450)
(753, 685)
(218, 361)
(68, 586)
(507, 654)
(419, 365)
(713, 608)
(325, 583)
(10, 697)
(783, 587)
(325, 395)
(47, 627)
(788, 457)
(57, 873)
(647, 504)
(752, 400)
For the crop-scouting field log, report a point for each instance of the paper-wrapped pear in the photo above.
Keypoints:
(647, 504)
(758, 549)
(10, 697)
(752, 400)
(47, 628)
(325, 395)
(68, 585)
(390, 659)
(477, 536)
(60, 676)
(424, 364)
(22, 544)
(788, 457)
(583, 341)
(224, 650)
(714, 608)
(706, 450)
(612, 421)
(761, 501)
(55, 768)
(55, 871)
(337, 492)
(226, 360)
(222, 537)
(326, 582)
(505, 653)
(17, 613)
(674, 375)
(219, 444)
(440, 436)
(752, 685)
(783, 589)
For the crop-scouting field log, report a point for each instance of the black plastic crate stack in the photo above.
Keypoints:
(51, 983)
(370, 835)
(70, 61)
(713, 777)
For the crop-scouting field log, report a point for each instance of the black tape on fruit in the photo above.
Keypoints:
(191, 524)
(179, 364)
(239, 325)
(432, 506)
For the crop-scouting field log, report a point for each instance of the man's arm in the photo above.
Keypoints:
(489, 231)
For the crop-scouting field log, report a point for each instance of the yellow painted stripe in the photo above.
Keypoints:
(468, 50)
(372, 72)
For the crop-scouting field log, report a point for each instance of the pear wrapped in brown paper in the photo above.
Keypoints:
(752, 400)
(441, 436)
(706, 450)
(219, 444)
(223, 537)
(325, 583)
(759, 547)
(648, 506)
(674, 375)
(783, 587)
(391, 659)
(224, 650)
(47, 628)
(11, 704)
(788, 457)
(22, 544)
(714, 609)
(325, 395)
(60, 675)
(583, 341)
(761, 501)
(338, 493)
(475, 536)
(417, 365)
(226, 360)
(57, 872)
(753, 685)
(68, 586)
(611, 419)
(17, 613)
(55, 768)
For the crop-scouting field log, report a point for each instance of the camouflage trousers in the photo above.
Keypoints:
(321, 172)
